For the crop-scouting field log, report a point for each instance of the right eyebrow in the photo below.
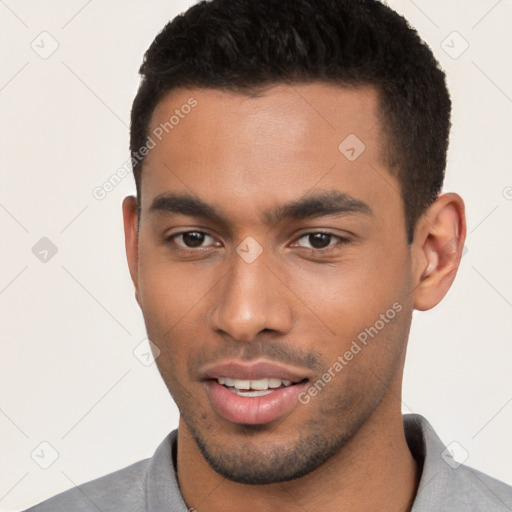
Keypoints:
(185, 204)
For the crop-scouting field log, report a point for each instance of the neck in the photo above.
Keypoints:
(374, 471)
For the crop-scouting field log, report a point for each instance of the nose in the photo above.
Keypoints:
(251, 299)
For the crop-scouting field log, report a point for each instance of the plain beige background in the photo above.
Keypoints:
(70, 325)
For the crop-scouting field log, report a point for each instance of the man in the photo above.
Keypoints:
(289, 158)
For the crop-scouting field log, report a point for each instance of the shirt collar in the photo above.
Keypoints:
(441, 483)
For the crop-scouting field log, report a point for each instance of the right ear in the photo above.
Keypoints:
(131, 239)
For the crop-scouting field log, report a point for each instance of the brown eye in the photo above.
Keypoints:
(191, 239)
(317, 240)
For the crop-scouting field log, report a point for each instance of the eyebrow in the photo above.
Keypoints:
(312, 206)
(318, 205)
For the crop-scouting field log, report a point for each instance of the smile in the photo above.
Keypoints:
(255, 401)
(253, 388)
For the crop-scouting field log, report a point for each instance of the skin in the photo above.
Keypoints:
(296, 304)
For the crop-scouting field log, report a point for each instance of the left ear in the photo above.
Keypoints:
(437, 250)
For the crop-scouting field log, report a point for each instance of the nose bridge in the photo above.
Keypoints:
(249, 300)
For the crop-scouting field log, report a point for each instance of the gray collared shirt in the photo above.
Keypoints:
(151, 485)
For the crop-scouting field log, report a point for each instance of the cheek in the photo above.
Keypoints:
(164, 305)
(169, 292)
(174, 300)
(364, 355)
(353, 294)
(364, 306)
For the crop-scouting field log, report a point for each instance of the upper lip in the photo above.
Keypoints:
(253, 371)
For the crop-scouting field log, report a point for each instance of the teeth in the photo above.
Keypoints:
(274, 383)
(242, 384)
(250, 394)
(258, 385)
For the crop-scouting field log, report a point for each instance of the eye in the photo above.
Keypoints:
(191, 239)
(319, 240)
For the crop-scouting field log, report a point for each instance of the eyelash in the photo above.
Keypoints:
(341, 241)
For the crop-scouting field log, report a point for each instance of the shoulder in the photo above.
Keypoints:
(478, 491)
(149, 484)
(445, 483)
(122, 490)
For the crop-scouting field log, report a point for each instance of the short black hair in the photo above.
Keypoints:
(246, 45)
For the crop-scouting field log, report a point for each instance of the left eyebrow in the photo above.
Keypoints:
(318, 205)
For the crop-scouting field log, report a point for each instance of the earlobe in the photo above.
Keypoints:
(130, 220)
(438, 244)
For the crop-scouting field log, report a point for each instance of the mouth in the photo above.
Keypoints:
(253, 393)
(255, 388)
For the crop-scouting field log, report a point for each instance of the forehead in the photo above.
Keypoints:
(246, 152)
(285, 116)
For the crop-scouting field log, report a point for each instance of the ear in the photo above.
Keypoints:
(437, 250)
(131, 241)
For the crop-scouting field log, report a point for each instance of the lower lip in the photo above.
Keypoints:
(256, 410)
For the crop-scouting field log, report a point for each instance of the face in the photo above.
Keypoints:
(273, 272)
